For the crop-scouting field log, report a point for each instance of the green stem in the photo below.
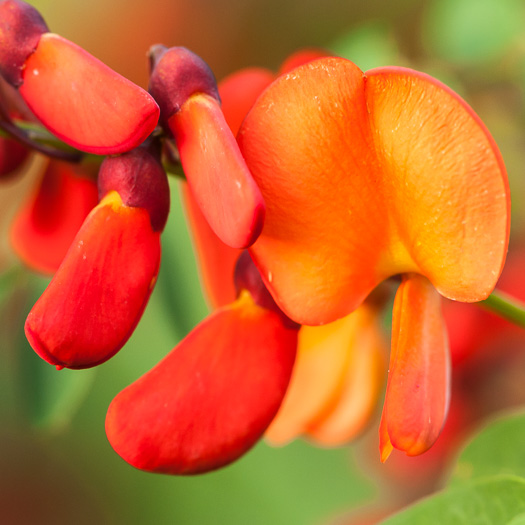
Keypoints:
(505, 306)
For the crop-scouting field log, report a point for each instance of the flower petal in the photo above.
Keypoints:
(84, 102)
(323, 355)
(418, 387)
(215, 259)
(443, 166)
(370, 176)
(45, 226)
(98, 294)
(217, 174)
(211, 398)
(363, 382)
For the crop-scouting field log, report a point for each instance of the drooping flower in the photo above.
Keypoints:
(78, 98)
(102, 286)
(222, 185)
(213, 396)
(367, 176)
(339, 367)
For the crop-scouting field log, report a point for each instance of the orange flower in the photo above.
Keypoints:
(367, 176)
(339, 367)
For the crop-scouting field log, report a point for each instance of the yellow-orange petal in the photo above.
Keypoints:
(45, 226)
(444, 180)
(418, 388)
(363, 382)
(215, 259)
(323, 355)
(98, 294)
(216, 172)
(84, 102)
(368, 176)
(300, 57)
(211, 398)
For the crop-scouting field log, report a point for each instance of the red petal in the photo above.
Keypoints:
(46, 225)
(211, 398)
(418, 387)
(98, 294)
(84, 102)
(216, 260)
(217, 174)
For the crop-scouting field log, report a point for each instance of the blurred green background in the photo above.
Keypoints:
(56, 466)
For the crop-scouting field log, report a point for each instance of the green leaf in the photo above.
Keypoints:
(518, 520)
(497, 449)
(492, 501)
(466, 31)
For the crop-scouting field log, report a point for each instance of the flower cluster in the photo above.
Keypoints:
(310, 192)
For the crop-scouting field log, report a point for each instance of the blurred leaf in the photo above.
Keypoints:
(478, 31)
(493, 501)
(497, 449)
(518, 520)
(369, 45)
(48, 398)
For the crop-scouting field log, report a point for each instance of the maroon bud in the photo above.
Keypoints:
(247, 277)
(176, 75)
(21, 26)
(140, 180)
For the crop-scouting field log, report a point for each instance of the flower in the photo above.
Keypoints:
(47, 69)
(367, 176)
(98, 294)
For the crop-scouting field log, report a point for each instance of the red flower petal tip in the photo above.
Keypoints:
(211, 398)
(20, 29)
(98, 294)
(217, 173)
(45, 226)
(84, 102)
(140, 180)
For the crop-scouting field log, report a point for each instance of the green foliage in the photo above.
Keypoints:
(494, 501)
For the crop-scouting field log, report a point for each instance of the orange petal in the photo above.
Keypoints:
(323, 355)
(443, 166)
(418, 387)
(363, 382)
(367, 177)
(211, 398)
(44, 228)
(215, 259)
(84, 102)
(217, 174)
(98, 294)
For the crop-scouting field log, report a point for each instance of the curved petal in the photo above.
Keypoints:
(211, 398)
(442, 165)
(98, 294)
(370, 176)
(44, 228)
(215, 259)
(418, 388)
(363, 382)
(323, 355)
(84, 102)
(217, 174)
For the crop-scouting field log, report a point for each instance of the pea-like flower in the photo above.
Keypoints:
(368, 176)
